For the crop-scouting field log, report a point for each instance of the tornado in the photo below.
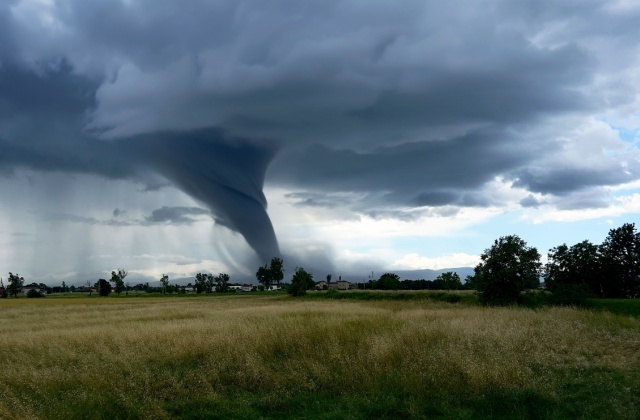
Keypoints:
(224, 172)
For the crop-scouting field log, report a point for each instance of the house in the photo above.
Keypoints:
(342, 285)
(33, 286)
(336, 285)
(273, 288)
(248, 287)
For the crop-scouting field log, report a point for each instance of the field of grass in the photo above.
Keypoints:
(247, 356)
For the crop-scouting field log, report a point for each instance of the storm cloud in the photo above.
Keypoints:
(411, 106)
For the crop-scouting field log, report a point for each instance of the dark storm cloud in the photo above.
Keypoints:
(530, 201)
(562, 181)
(433, 173)
(307, 199)
(162, 216)
(412, 105)
(176, 215)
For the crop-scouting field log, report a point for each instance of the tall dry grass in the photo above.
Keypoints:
(247, 356)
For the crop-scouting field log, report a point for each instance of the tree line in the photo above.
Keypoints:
(509, 267)
(572, 273)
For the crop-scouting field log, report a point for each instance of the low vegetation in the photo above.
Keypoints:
(251, 356)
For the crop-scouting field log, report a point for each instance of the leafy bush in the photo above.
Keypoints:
(300, 282)
(34, 294)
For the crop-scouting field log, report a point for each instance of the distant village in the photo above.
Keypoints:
(33, 289)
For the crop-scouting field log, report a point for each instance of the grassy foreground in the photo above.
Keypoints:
(273, 356)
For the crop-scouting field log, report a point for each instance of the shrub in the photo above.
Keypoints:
(34, 294)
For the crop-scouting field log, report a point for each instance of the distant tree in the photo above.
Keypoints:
(64, 287)
(210, 283)
(263, 275)
(388, 281)
(573, 273)
(272, 272)
(277, 270)
(620, 257)
(201, 282)
(222, 283)
(15, 284)
(300, 282)
(4, 291)
(117, 278)
(104, 288)
(164, 281)
(33, 293)
(506, 269)
(449, 281)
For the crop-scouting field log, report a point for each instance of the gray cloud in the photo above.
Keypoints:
(175, 215)
(163, 215)
(408, 106)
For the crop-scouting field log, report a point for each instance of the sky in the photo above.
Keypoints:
(348, 137)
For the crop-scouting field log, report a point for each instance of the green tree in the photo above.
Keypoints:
(450, 280)
(164, 281)
(277, 270)
(389, 281)
(272, 272)
(222, 283)
(620, 254)
(573, 273)
(117, 278)
(201, 282)
(210, 283)
(300, 282)
(263, 275)
(15, 284)
(33, 293)
(506, 269)
(104, 288)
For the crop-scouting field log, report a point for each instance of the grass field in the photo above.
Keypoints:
(247, 356)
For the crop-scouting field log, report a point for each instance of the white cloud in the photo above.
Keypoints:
(414, 261)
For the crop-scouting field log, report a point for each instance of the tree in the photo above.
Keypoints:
(164, 280)
(33, 293)
(573, 273)
(222, 283)
(276, 269)
(210, 283)
(201, 282)
(104, 288)
(271, 272)
(300, 282)
(15, 284)
(264, 276)
(117, 278)
(388, 281)
(620, 254)
(449, 281)
(506, 269)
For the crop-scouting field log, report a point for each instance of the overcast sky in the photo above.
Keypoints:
(348, 136)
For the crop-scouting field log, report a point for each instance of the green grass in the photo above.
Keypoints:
(462, 296)
(272, 356)
(616, 306)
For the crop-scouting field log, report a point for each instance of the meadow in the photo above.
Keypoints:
(273, 356)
